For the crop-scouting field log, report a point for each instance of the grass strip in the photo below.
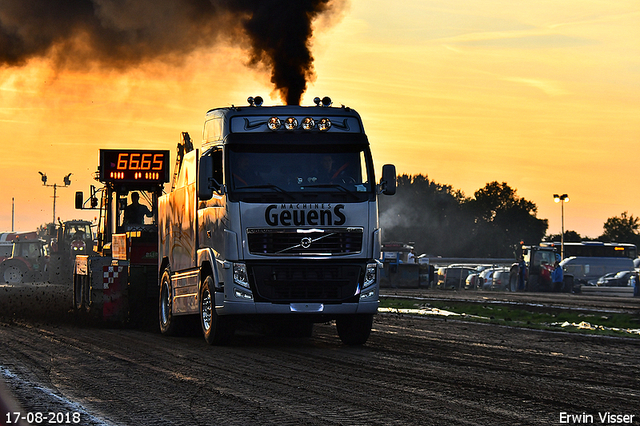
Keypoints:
(521, 315)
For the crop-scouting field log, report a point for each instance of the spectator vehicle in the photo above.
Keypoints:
(587, 270)
(618, 279)
(500, 280)
(454, 276)
(486, 279)
(472, 281)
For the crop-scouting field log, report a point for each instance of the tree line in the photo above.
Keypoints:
(441, 221)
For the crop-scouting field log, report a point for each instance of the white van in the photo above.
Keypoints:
(587, 270)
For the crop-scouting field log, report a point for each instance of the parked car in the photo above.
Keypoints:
(485, 279)
(472, 281)
(500, 280)
(454, 276)
(619, 279)
(587, 270)
(605, 277)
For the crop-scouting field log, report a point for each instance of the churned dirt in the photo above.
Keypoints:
(412, 371)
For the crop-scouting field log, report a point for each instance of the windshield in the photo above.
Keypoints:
(78, 231)
(5, 250)
(137, 209)
(543, 257)
(303, 173)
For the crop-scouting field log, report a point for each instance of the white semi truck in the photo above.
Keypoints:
(274, 218)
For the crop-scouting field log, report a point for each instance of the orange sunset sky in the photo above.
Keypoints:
(543, 95)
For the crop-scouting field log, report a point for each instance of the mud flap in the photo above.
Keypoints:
(115, 306)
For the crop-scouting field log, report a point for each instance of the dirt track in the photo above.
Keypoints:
(413, 370)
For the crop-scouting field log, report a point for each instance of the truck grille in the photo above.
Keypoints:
(285, 283)
(285, 242)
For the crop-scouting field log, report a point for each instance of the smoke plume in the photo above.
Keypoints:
(121, 34)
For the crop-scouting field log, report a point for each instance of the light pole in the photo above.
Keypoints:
(564, 198)
(67, 182)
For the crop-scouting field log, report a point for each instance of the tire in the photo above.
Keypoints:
(513, 281)
(217, 330)
(81, 296)
(354, 329)
(533, 284)
(169, 324)
(78, 293)
(13, 273)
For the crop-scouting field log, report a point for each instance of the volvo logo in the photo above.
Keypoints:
(306, 242)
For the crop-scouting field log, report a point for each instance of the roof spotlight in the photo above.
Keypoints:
(308, 123)
(324, 124)
(291, 123)
(326, 101)
(257, 101)
(274, 123)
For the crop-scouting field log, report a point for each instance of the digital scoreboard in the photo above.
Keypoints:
(134, 165)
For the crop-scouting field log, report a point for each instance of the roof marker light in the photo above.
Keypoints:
(291, 123)
(274, 123)
(324, 124)
(308, 123)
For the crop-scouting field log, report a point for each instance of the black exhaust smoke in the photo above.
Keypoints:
(121, 34)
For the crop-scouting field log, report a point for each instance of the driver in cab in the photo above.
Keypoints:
(135, 212)
(328, 172)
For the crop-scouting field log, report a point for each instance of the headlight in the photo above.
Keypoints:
(370, 275)
(240, 275)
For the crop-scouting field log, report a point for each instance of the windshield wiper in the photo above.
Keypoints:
(269, 186)
(335, 185)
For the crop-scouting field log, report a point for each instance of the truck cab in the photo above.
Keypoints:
(275, 217)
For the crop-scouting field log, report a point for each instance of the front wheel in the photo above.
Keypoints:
(354, 329)
(78, 293)
(13, 273)
(513, 280)
(169, 324)
(217, 330)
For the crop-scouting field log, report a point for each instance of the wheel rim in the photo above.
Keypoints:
(12, 275)
(165, 306)
(206, 310)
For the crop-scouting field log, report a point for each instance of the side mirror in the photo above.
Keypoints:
(210, 175)
(79, 200)
(205, 168)
(388, 181)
